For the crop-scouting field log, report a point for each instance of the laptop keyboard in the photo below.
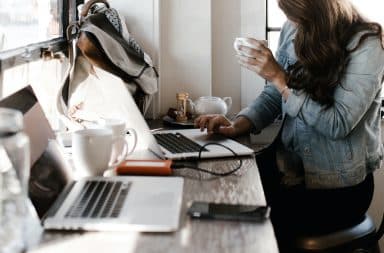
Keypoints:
(177, 143)
(99, 199)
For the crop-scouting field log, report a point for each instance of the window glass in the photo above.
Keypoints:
(273, 39)
(45, 78)
(276, 17)
(372, 9)
(23, 22)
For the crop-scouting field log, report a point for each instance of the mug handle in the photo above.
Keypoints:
(123, 154)
(132, 132)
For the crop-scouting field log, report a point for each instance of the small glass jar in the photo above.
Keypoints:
(16, 144)
(14, 176)
(181, 113)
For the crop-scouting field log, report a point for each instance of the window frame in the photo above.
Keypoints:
(35, 51)
(268, 28)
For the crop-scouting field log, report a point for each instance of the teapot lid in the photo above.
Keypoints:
(209, 98)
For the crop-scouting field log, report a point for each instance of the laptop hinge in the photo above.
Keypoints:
(58, 202)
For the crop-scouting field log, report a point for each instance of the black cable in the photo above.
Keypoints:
(189, 166)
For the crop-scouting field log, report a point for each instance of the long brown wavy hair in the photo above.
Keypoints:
(324, 30)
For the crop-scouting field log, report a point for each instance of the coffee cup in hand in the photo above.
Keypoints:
(92, 151)
(247, 43)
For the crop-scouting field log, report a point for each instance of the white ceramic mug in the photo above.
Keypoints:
(119, 129)
(246, 42)
(92, 151)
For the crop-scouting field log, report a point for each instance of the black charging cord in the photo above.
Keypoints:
(182, 165)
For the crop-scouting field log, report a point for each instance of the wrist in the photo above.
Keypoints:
(284, 90)
(281, 81)
(241, 125)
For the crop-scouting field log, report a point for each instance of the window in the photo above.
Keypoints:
(33, 47)
(275, 19)
(35, 20)
(372, 9)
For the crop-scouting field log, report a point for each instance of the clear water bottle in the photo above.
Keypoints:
(14, 175)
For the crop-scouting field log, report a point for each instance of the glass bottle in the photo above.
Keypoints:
(14, 175)
(181, 104)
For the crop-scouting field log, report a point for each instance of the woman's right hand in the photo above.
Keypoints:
(215, 123)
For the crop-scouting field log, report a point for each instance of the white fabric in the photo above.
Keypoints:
(98, 99)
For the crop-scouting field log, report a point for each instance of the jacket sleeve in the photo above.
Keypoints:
(267, 106)
(264, 109)
(353, 97)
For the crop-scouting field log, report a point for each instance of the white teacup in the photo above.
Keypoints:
(92, 151)
(117, 126)
(246, 42)
(119, 129)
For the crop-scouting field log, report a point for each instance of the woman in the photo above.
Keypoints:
(326, 82)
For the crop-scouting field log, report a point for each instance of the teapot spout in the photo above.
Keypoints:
(228, 102)
(190, 106)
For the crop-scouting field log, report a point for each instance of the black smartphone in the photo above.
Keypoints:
(238, 212)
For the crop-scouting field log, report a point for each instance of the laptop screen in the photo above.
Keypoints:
(50, 172)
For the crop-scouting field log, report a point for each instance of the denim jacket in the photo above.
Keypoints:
(327, 148)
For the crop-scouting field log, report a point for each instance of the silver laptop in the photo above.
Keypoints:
(179, 144)
(150, 204)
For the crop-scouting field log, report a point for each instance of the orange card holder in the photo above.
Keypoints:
(145, 167)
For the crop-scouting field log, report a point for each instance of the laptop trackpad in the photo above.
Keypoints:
(144, 206)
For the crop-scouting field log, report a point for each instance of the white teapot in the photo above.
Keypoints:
(210, 105)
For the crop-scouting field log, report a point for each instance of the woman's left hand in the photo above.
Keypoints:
(260, 60)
